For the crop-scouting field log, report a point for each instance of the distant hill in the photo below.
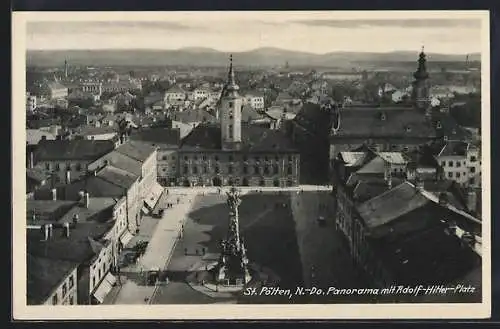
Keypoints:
(195, 56)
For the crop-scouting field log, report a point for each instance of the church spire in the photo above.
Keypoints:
(231, 81)
(421, 73)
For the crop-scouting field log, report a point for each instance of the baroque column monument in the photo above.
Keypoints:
(232, 267)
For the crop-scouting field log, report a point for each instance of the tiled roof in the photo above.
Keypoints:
(457, 148)
(193, 115)
(248, 114)
(117, 176)
(92, 130)
(100, 209)
(380, 122)
(77, 248)
(158, 136)
(136, 150)
(44, 276)
(56, 85)
(426, 255)
(353, 158)
(122, 161)
(254, 139)
(47, 210)
(73, 149)
(37, 174)
(394, 203)
(33, 136)
(175, 89)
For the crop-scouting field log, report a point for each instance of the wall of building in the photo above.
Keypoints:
(120, 218)
(462, 169)
(100, 267)
(66, 293)
(77, 168)
(101, 137)
(227, 168)
(167, 160)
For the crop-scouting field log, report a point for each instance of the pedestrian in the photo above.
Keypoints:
(185, 251)
(196, 251)
(203, 250)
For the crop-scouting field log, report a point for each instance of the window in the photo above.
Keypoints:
(473, 169)
(473, 159)
(57, 166)
(164, 157)
(289, 170)
(230, 169)
(266, 158)
(71, 281)
(99, 274)
(164, 170)
(195, 170)
(47, 166)
(459, 163)
(245, 158)
(186, 169)
(472, 181)
(54, 299)
(275, 169)
(457, 175)
(205, 169)
(217, 170)
(443, 163)
(256, 169)
(93, 281)
(185, 158)
(68, 166)
(204, 158)
(64, 289)
(450, 163)
(230, 104)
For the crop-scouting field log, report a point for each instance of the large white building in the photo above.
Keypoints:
(461, 162)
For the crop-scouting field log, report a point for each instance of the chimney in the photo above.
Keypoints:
(54, 194)
(45, 229)
(388, 174)
(471, 200)
(50, 230)
(32, 160)
(66, 229)
(87, 200)
(68, 176)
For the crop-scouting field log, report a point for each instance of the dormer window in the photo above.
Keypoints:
(382, 116)
(408, 129)
(438, 125)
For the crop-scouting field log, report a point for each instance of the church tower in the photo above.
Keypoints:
(420, 95)
(230, 113)
(65, 69)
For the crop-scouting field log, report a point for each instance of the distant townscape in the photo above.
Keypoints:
(363, 175)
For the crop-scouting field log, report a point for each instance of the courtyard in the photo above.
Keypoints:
(282, 235)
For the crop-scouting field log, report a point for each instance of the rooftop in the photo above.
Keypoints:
(33, 136)
(100, 209)
(137, 150)
(193, 115)
(166, 137)
(72, 149)
(37, 174)
(454, 148)
(254, 139)
(83, 243)
(122, 161)
(117, 176)
(44, 276)
(87, 130)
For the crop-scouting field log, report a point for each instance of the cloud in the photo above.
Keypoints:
(401, 23)
(101, 27)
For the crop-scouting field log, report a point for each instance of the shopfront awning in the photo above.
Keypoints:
(154, 194)
(110, 278)
(126, 237)
(102, 290)
(145, 210)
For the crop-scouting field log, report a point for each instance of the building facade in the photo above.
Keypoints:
(232, 153)
(461, 162)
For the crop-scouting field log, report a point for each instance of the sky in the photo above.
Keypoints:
(306, 32)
